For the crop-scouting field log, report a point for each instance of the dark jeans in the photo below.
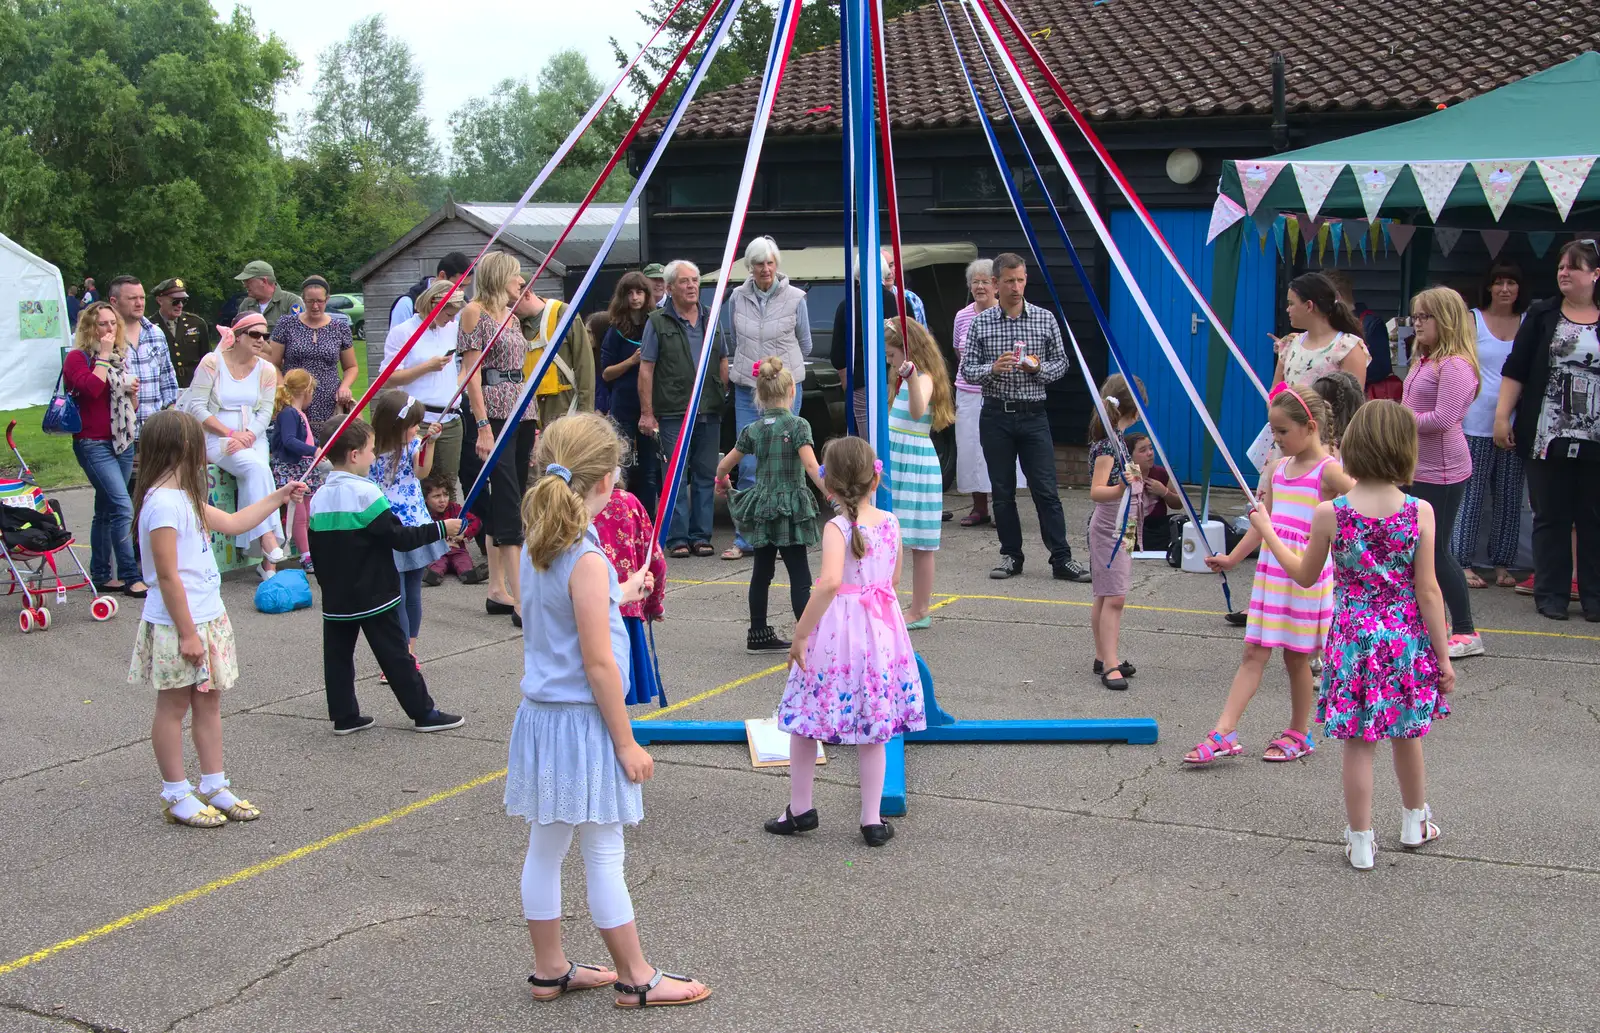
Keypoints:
(794, 561)
(110, 533)
(387, 638)
(499, 505)
(696, 505)
(1010, 438)
(1446, 502)
(1565, 494)
(644, 473)
(410, 608)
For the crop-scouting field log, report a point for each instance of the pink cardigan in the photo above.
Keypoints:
(1439, 393)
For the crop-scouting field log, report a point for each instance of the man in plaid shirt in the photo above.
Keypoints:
(1013, 351)
(149, 359)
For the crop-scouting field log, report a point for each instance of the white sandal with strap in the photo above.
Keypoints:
(1417, 828)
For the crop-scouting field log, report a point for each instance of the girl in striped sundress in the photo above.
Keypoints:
(1283, 615)
(923, 402)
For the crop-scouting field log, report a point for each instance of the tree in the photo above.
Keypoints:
(369, 101)
(501, 142)
(136, 136)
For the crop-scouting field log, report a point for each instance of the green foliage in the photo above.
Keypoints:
(369, 101)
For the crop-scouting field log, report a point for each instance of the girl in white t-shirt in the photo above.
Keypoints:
(184, 646)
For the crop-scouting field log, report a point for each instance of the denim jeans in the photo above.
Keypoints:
(691, 516)
(110, 534)
(746, 410)
(1010, 438)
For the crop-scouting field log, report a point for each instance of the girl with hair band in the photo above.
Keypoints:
(1117, 490)
(402, 462)
(574, 765)
(923, 403)
(1283, 614)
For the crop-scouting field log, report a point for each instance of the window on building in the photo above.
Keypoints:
(807, 188)
(711, 189)
(978, 185)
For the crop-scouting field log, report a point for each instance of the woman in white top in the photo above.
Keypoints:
(232, 396)
(1496, 472)
(431, 372)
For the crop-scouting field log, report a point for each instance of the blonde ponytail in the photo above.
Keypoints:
(295, 383)
(574, 454)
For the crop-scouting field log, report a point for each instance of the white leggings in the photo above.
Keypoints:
(609, 903)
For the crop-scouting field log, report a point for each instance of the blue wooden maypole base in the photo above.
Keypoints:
(942, 727)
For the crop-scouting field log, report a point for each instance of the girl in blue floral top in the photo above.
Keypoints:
(404, 459)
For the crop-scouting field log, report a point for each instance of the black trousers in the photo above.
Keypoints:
(387, 640)
(499, 505)
(1010, 438)
(794, 560)
(1565, 494)
(644, 473)
(1446, 502)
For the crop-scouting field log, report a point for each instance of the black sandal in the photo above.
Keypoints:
(643, 992)
(1126, 668)
(791, 822)
(1119, 685)
(561, 983)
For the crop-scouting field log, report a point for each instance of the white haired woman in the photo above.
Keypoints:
(768, 316)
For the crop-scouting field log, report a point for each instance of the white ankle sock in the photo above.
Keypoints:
(212, 784)
(178, 795)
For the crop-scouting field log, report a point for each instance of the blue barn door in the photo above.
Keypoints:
(1243, 412)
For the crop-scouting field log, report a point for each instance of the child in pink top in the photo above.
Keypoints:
(625, 533)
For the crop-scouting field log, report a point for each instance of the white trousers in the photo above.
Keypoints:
(972, 470)
(251, 468)
(609, 903)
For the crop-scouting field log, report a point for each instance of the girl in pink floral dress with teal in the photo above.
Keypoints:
(1388, 653)
(853, 677)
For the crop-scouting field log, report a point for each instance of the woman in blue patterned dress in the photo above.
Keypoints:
(923, 402)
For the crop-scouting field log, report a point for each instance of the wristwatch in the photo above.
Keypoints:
(482, 424)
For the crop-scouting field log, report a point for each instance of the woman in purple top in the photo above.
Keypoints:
(321, 345)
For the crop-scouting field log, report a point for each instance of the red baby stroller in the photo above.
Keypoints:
(33, 537)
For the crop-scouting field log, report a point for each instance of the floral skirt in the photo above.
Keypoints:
(156, 659)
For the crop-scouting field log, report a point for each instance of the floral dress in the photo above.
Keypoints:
(779, 510)
(398, 479)
(860, 684)
(1382, 678)
(317, 351)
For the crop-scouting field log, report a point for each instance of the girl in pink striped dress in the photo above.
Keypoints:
(1282, 614)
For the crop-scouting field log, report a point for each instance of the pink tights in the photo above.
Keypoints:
(870, 760)
(302, 541)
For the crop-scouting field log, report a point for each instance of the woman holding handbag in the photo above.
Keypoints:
(107, 394)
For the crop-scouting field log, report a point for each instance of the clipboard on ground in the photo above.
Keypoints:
(769, 745)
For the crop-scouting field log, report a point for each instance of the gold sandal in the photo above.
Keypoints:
(207, 817)
(243, 810)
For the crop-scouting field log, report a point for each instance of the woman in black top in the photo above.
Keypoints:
(619, 370)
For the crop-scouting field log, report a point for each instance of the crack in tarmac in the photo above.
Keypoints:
(62, 1017)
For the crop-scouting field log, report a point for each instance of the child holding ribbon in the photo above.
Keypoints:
(1116, 487)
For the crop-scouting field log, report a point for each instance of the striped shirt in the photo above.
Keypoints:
(993, 333)
(1440, 394)
(959, 338)
(150, 361)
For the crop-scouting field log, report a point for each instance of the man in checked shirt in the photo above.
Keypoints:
(149, 360)
(1013, 350)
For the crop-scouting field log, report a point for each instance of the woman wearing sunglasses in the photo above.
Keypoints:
(232, 397)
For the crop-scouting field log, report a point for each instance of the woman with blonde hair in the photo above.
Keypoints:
(1440, 387)
(923, 402)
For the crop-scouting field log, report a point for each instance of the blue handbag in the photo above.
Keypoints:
(61, 414)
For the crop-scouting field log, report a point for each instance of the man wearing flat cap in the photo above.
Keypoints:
(272, 301)
(188, 337)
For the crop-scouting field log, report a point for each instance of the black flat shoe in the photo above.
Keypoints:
(516, 620)
(495, 609)
(1593, 617)
(1555, 615)
(1119, 685)
(1238, 618)
(791, 822)
(1126, 668)
(877, 835)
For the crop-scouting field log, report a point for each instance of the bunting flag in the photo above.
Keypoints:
(1224, 213)
(1494, 240)
(1400, 235)
(1375, 182)
(1564, 177)
(1355, 236)
(1499, 180)
(1315, 179)
(1447, 237)
(1435, 181)
(1540, 241)
(1263, 219)
(1336, 237)
(1279, 228)
(1323, 233)
(1293, 228)
(1256, 178)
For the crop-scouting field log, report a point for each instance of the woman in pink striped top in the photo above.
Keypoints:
(1440, 387)
(972, 470)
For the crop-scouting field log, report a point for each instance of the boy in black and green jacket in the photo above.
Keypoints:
(354, 536)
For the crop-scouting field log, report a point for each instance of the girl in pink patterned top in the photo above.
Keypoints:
(853, 677)
(625, 533)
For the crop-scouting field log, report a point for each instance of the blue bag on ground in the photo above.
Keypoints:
(284, 591)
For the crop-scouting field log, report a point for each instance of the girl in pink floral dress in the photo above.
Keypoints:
(626, 533)
(1388, 652)
(853, 676)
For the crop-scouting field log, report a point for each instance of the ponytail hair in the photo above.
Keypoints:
(574, 454)
(773, 383)
(1118, 399)
(849, 467)
(295, 383)
(1324, 297)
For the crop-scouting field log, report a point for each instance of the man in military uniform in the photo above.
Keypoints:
(188, 337)
(568, 385)
(272, 301)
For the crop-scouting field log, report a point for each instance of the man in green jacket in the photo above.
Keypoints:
(272, 301)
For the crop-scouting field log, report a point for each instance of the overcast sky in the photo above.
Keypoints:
(458, 61)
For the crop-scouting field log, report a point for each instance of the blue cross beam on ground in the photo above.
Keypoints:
(942, 727)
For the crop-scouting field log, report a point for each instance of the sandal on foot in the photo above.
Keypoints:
(1417, 828)
(563, 984)
(242, 809)
(791, 822)
(1291, 745)
(642, 992)
(975, 519)
(1125, 667)
(679, 552)
(1505, 579)
(703, 549)
(1361, 848)
(208, 817)
(1213, 746)
(733, 552)
(1475, 579)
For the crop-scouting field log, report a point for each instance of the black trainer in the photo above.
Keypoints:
(877, 835)
(439, 721)
(791, 822)
(1009, 566)
(432, 578)
(1072, 571)
(764, 640)
(477, 575)
(356, 724)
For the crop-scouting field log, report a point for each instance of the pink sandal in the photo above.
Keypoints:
(1213, 746)
(1292, 745)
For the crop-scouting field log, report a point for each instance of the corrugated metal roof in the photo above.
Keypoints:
(540, 225)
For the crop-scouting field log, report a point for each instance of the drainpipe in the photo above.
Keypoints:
(1280, 109)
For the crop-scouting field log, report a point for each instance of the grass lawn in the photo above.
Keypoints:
(50, 455)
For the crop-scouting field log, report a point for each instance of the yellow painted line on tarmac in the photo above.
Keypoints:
(274, 863)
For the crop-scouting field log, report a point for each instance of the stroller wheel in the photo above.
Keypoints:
(43, 617)
(103, 608)
(25, 621)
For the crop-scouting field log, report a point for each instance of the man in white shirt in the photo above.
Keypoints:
(450, 267)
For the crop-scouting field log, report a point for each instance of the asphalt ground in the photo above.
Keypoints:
(1031, 887)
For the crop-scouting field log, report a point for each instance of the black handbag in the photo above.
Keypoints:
(61, 415)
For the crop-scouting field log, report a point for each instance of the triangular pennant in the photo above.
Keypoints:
(1256, 178)
(1499, 180)
(1336, 235)
(1375, 182)
(1540, 241)
(1435, 180)
(1293, 226)
(1280, 226)
(1400, 235)
(1494, 240)
(1322, 241)
(1447, 237)
(1315, 179)
(1564, 177)
(1224, 213)
(1355, 236)
(1263, 218)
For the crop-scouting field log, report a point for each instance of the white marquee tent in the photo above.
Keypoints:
(33, 326)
